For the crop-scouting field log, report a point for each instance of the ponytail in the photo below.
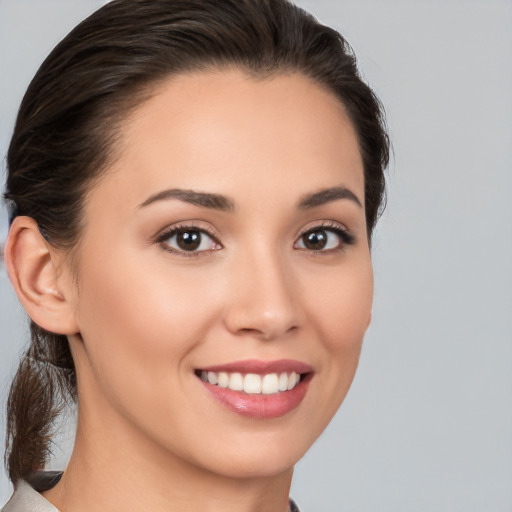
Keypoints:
(44, 384)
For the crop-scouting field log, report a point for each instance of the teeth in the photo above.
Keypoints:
(283, 382)
(270, 384)
(293, 380)
(223, 380)
(252, 383)
(236, 382)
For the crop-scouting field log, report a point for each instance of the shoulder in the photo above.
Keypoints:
(26, 497)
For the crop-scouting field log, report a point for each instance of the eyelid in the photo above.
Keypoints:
(323, 224)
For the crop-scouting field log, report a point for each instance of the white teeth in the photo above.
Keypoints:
(270, 384)
(223, 380)
(293, 380)
(283, 382)
(236, 382)
(252, 383)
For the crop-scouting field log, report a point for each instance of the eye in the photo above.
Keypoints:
(188, 240)
(323, 238)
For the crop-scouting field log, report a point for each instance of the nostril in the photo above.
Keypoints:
(265, 310)
(266, 333)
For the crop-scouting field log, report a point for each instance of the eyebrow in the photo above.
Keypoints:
(203, 199)
(326, 196)
(223, 203)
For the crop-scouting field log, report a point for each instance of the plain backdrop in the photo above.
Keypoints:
(427, 425)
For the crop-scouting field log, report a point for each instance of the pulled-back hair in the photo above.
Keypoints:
(73, 112)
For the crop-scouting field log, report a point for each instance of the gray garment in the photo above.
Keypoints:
(26, 497)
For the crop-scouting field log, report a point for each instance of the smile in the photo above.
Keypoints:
(258, 389)
(252, 383)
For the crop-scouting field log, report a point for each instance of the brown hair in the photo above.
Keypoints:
(66, 130)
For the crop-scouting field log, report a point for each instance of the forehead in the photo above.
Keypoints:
(226, 132)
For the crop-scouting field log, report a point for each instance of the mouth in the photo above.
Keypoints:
(252, 383)
(258, 389)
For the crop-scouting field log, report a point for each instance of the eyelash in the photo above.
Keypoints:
(345, 238)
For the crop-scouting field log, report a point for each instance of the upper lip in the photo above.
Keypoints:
(260, 367)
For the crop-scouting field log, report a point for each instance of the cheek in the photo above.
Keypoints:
(143, 317)
(344, 312)
(344, 308)
(140, 327)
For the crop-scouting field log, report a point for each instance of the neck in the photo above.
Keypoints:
(120, 470)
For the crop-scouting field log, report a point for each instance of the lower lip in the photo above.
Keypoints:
(258, 405)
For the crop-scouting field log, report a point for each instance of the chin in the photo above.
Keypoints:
(264, 456)
(264, 465)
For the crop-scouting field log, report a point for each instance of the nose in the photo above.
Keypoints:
(263, 298)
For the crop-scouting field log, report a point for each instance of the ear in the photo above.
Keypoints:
(34, 268)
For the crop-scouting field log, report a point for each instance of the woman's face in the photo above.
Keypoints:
(225, 248)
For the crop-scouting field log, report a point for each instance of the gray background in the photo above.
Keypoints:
(427, 425)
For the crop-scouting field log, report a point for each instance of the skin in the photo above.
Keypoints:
(142, 317)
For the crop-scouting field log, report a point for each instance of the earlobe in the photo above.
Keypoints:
(33, 268)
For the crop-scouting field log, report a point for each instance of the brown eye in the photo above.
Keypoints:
(188, 240)
(315, 240)
(323, 239)
(182, 240)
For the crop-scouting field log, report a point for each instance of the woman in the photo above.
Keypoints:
(193, 186)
